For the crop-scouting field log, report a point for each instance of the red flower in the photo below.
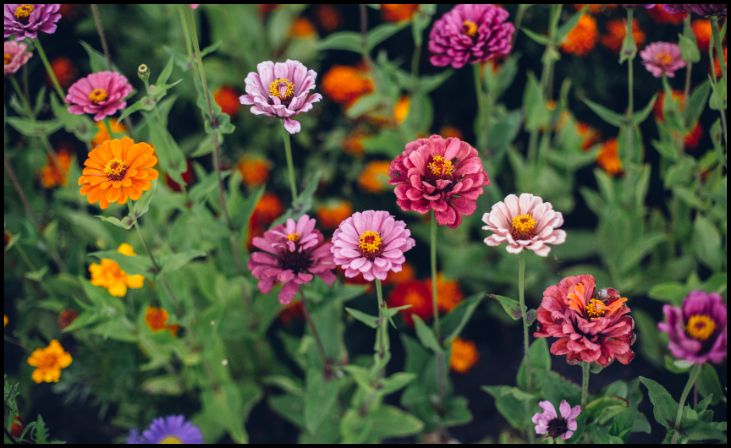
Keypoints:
(415, 293)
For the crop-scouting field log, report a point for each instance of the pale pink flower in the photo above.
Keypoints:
(16, 55)
(553, 425)
(101, 94)
(662, 59)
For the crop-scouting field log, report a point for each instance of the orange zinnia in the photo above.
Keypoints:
(332, 213)
(227, 99)
(616, 30)
(118, 170)
(464, 355)
(345, 84)
(702, 29)
(582, 38)
(102, 133)
(254, 170)
(398, 12)
(608, 158)
(374, 177)
(55, 173)
(302, 28)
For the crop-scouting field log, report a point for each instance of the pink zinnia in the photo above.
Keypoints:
(553, 425)
(292, 253)
(470, 33)
(590, 325)
(101, 94)
(24, 21)
(662, 59)
(16, 55)
(440, 174)
(524, 222)
(371, 243)
(281, 90)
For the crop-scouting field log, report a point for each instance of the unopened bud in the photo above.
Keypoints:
(143, 72)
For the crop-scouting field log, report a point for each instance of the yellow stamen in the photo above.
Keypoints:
(664, 58)
(439, 166)
(8, 58)
(23, 11)
(595, 308)
(97, 96)
(115, 169)
(282, 88)
(370, 242)
(523, 225)
(700, 327)
(171, 440)
(294, 237)
(470, 28)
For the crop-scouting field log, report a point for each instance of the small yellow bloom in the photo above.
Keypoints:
(374, 177)
(49, 362)
(401, 109)
(126, 249)
(108, 274)
(464, 355)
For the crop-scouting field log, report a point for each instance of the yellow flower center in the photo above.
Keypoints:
(282, 88)
(370, 242)
(171, 440)
(700, 326)
(595, 308)
(23, 11)
(8, 58)
(97, 96)
(523, 226)
(470, 28)
(294, 237)
(115, 169)
(664, 58)
(439, 166)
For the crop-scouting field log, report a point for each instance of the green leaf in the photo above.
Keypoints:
(669, 292)
(426, 335)
(535, 37)
(537, 115)
(396, 382)
(605, 114)
(344, 40)
(689, 49)
(97, 61)
(695, 104)
(171, 157)
(321, 395)
(707, 243)
(125, 223)
(142, 205)
(663, 405)
(510, 306)
(710, 385)
(651, 346)
(640, 116)
(382, 32)
(371, 321)
(540, 362)
(515, 405)
(173, 262)
(455, 321)
(390, 421)
(568, 25)
(33, 128)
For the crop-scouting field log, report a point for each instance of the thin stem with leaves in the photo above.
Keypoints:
(49, 70)
(695, 371)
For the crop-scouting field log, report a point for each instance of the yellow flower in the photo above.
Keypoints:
(108, 274)
(374, 177)
(464, 355)
(49, 362)
(126, 249)
(102, 133)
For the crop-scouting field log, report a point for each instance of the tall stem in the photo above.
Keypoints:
(585, 372)
(718, 44)
(313, 329)
(689, 66)
(433, 262)
(49, 70)
(524, 317)
(290, 165)
(364, 35)
(483, 118)
(382, 354)
(100, 32)
(695, 371)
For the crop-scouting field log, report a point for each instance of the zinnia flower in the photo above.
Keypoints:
(398, 12)
(118, 170)
(63, 69)
(371, 243)
(25, 21)
(108, 274)
(470, 33)
(157, 320)
(281, 90)
(703, 29)
(173, 429)
(49, 362)
(616, 31)
(328, 17)
(414, 293)
(16, 55)
(590, 325)
(697, 331)
(344, 84)
(524, 222)
(444, 175)
(333, 212)
(374, 177)
(463, 356)
(404, 275)
(254, 170)
(708, 9)
(291, 254)
(549, 423)
(582, 37)
(102, 133)
(449, 294)
(101, 94)
(302, 28)
(55, 172)
(608, 157)
(401, 109)
(662, 59)
(227, 99)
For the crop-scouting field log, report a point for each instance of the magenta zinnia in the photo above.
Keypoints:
(26, 20)
(440, 174)
(101, 94)
(662, 59)
(291, 254)
(590, 325)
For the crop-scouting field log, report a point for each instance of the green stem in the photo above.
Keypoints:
(524, 317)
(23, 99)
(49, 70)
(695, 371)
(102, 36)
(108, 125)
(290, 165)
(689, 66)
(316, 335)
(433, 260)
(585, 372)
(482, 112)
(381, 354)
(718, 44)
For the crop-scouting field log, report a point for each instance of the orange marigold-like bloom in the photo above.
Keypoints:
(582, 37)
(589, 135)
(102, 133)
(302, 28)
(345, 84)
(227, 99)
(157, 320)
(254, 170)
(608, 158)
(464, 355)
(406, 274)
(55, 172)
(117, 170)
(398, 12)
(416, 294)
(333, 212)
(702, 29)
(353, 143)
(328, 17)
(49, 362)
(266, 211)
(616, 30)
(449, 294)
(662, 15)
(450, 131)
(374, 177)
(401, 109)
(64, 70)
(108, 274)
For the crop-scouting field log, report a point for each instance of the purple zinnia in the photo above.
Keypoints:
(173, 429)
(470, 33)
(25, 21)
(281, 90)
(16, 55)
(698, 331)
(553, 425)
(708, 9)
(662, 59)
(101, 94)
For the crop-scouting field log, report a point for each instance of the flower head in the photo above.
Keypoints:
(401, 109)
(608, 157)
(590, 325)
(254, 170)
(617, 29)
(550, 424)
(464, 355)
(344, 84)
(662, 59)
(55, 172)
(118, 170)
(281, 90)
(227, 99)
(662, 15)
(582, 37)
(703, 29)
(157, 320)
(698, 331)
(102, 133)
(449, 294)
(173, 429)
(440, 174)
(333, 212)
(101, 94)
(470, 33)
(302, 28)
(25, 21)
(371, 243)
(291, 254)
(49, 362)
(414, 293)
(108, 274)
(524, 222)
(64, 70)
(15, 56)
(708, 9)
(398, 12)
(374, 177)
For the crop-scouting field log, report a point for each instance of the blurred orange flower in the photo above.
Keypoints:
(401, 109)
(227, 99)
(64, 70)
(405, 275)
(328, 17)
(616, 30)
(55, 172)
(374, 177)
(582, 38)
(662, 15)
(49, 362)
(608, 158)
(449, 294)
(464, 355)
(416, 294)
(702, 29)
(345, 84)
(157, 320)
(302, 28)
(331, 213)
(589, 136)
(398, 12)
(102, 132)
(254, 170)
(353, 143)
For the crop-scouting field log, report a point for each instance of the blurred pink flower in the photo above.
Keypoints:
(291, 254)
(371, 243)
(194, 5)
(524, 222)
(440, 174)
(281, 90)
(662, 59)
(16, 55)
(551, 424)
(101, 94)
(24, 21)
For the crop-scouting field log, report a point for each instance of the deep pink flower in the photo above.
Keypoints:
(440, 174)
(698, 332)
(553, 425)
(101, 94)
(26, 20)
(470, 33)
(16, 55)
(281, 90)
(702, 9)
(524, 222)
(662, 59)
(194, 5)
(371, 243)
(292, 253)
(590, 325)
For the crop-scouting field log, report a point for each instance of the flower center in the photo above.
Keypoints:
(595, 308)
(557, 427)
(8, 58)
(281, 88)
(97, 96)
(295, 261)
(470, 28)
(294, 237)
(664, 58)
(440, 167)
(115, 169)
(171, 440)
(700, 326)
(370, 242)
(523, 226)
(22, 12)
